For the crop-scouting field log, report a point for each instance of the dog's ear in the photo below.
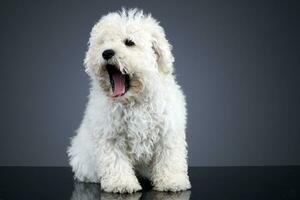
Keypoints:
(89, 60)
(162, 49)
(91, 56)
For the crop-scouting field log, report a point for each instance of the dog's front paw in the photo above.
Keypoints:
(173, 183)
(126, 184)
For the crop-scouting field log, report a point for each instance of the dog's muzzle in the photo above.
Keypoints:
(119, 81)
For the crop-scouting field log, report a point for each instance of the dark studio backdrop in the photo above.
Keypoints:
(237, 61)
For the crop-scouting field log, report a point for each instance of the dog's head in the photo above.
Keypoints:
(128, 52)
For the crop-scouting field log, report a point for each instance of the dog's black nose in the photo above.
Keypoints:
(108, 54)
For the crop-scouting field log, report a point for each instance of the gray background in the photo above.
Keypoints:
(238, 63)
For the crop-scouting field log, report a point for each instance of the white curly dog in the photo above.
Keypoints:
(135, 119)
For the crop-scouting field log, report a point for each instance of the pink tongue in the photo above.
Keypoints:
(119, 83)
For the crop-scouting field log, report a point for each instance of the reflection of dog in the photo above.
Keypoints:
(87, 191)
(135, 118)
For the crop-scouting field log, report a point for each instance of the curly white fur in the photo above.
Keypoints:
(143, 131)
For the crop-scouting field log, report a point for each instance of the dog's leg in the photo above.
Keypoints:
(115, 170)
(82, 160)
(169, 170)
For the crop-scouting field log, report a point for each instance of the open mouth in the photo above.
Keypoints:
(119, 81)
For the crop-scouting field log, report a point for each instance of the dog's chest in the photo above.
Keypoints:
(140, 129)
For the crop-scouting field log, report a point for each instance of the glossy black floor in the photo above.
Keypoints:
(207, 183)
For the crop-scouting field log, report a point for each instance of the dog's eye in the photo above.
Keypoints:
(129, 43)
